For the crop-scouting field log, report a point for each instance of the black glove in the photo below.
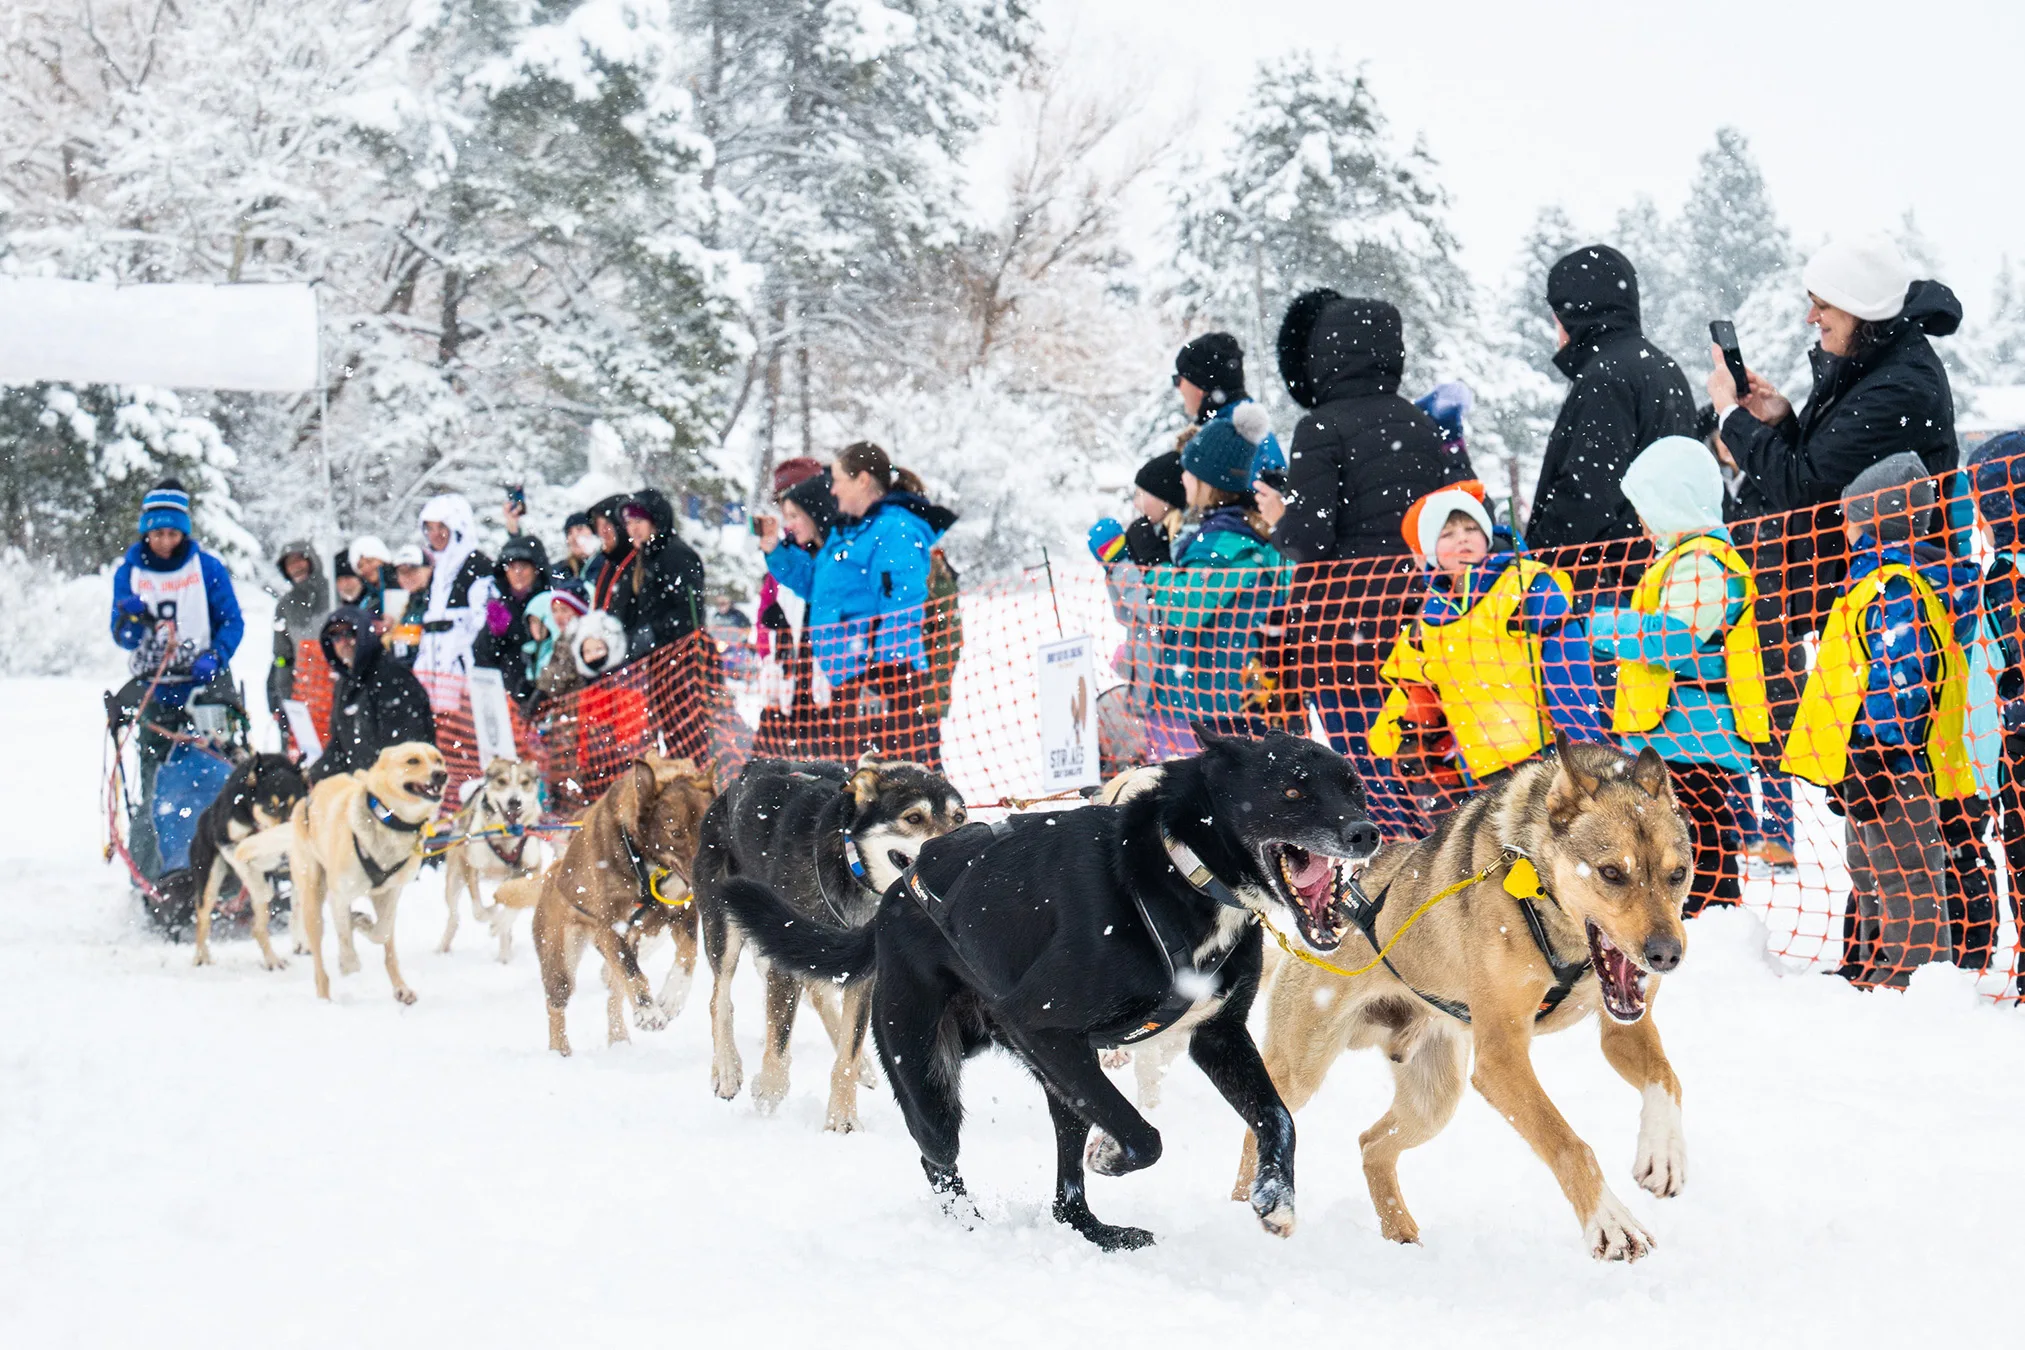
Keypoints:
(1146, 543)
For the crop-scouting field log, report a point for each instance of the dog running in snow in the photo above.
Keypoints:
(1059, 933)
(1490, 968)
(623, 877)
(493, 845)
(829, 841)
(360, 835)
(260, 794)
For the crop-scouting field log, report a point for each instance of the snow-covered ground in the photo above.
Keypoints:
(213, 1158)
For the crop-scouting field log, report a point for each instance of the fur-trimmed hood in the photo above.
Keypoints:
(599, 623)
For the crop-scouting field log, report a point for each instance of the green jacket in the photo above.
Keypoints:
(1210, 604)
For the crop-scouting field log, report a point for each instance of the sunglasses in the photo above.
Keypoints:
(1177, 379)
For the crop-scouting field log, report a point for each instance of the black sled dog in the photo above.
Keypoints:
(1057, 934)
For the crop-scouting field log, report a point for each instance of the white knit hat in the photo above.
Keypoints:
(1436, 508)
(368, 546)
(1866, 276)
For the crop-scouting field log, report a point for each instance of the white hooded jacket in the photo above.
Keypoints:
(449, 649)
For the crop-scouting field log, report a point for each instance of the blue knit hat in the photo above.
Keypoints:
(1220, 456)
(166, 507)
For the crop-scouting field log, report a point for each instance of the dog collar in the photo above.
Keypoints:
(854, 861)
(1197, 874)
(387, 818)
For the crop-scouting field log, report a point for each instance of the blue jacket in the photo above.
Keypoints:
(1698, 727)
(1905, 661)
(866, 585)
(227, 625)
(1569, 678)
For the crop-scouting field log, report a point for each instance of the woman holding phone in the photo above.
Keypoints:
(866, 587)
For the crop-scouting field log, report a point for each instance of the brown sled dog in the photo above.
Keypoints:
(624, 877)
(1480, 973)
(360, 834)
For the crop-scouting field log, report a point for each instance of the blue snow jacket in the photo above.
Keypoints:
(866, 585)
(227, 625)
(1905, 660)
(1569, 677)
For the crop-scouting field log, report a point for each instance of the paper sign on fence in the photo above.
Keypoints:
(303, 727)
(1068, 678)
(490, 717)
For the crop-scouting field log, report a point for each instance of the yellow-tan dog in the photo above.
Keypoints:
(360, 834)
(1480, 972)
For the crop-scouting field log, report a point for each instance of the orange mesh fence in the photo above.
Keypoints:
(1832, 715)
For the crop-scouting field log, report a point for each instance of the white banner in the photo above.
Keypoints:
(490, 717)
(1068, 678)
(303, 727)
(174, 336)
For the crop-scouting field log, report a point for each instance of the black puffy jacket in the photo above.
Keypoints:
(1866, 407)
(378, 701)
(658, 595)
(502, 651)
(1626, 394)
(1364, 454)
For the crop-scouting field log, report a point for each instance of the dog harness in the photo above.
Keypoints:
(649, 878)
(375, 873)
(1522, 883)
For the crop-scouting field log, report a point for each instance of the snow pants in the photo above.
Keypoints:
(1898, 872)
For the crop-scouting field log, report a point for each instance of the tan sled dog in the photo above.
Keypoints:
(508, 799)
(360, 834)
(1613, 856)
(623, 878)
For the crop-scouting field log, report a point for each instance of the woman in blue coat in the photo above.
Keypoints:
(865, 586)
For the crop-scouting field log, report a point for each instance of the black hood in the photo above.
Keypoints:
(938, 518)
(658, 508)
(813, 496)
(1594, 287)
(607, 508)
(291, 548)
(521, 548)
(366, 654)
(1932, 308)
(1332, 346)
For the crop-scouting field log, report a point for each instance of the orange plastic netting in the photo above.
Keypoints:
(1874, 824)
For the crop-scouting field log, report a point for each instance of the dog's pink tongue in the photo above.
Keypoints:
(1313, 874)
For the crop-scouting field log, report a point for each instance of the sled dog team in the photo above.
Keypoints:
(1137, 921)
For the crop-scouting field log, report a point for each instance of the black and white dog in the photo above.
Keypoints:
(1060, 933)
(828, 840)
(260, 794)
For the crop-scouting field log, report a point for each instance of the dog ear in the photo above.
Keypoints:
(1206, 738)
(632, 796)
(1649, 772)
(864, 784)
(1573, 787)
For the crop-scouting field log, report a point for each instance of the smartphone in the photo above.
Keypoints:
(517, 494)
(1724, 334)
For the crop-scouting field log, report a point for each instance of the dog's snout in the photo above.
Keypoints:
(1662, 953)
(439, 778)
(1362, 839)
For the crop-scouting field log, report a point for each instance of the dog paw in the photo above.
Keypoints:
(649, 1017)
(1661, 1165)
(1114, 1058)
(1273, 1202)
(300, 948)
(275, 962)
(1613, 1234)
(203, 957)
(842, 1122)
(674, 994)
(348, 963)
(726, 1079)
(404, 995)
(1105, 1156)
(769, 1088)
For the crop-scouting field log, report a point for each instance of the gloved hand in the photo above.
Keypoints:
(819, 687)
(133, 607)
(1107, 540)
(205, 667)
(498, 618)
(1447, 404)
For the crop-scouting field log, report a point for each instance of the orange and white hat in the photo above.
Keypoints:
(1426, 517)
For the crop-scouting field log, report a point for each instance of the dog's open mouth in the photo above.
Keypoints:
(1622, 978)
(428, 789)
(901, 862)
(511, 811)
(1316, 887)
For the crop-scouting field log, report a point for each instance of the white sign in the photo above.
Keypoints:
(1068, 679)
(490, 717)
(175, 335)
(303, 727)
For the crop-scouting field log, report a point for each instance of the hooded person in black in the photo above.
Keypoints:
(498, 647)
(378, 701)
(1363, 454)
(1888, 395)
(658, 594)
(1625, 394)
(611, 530)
